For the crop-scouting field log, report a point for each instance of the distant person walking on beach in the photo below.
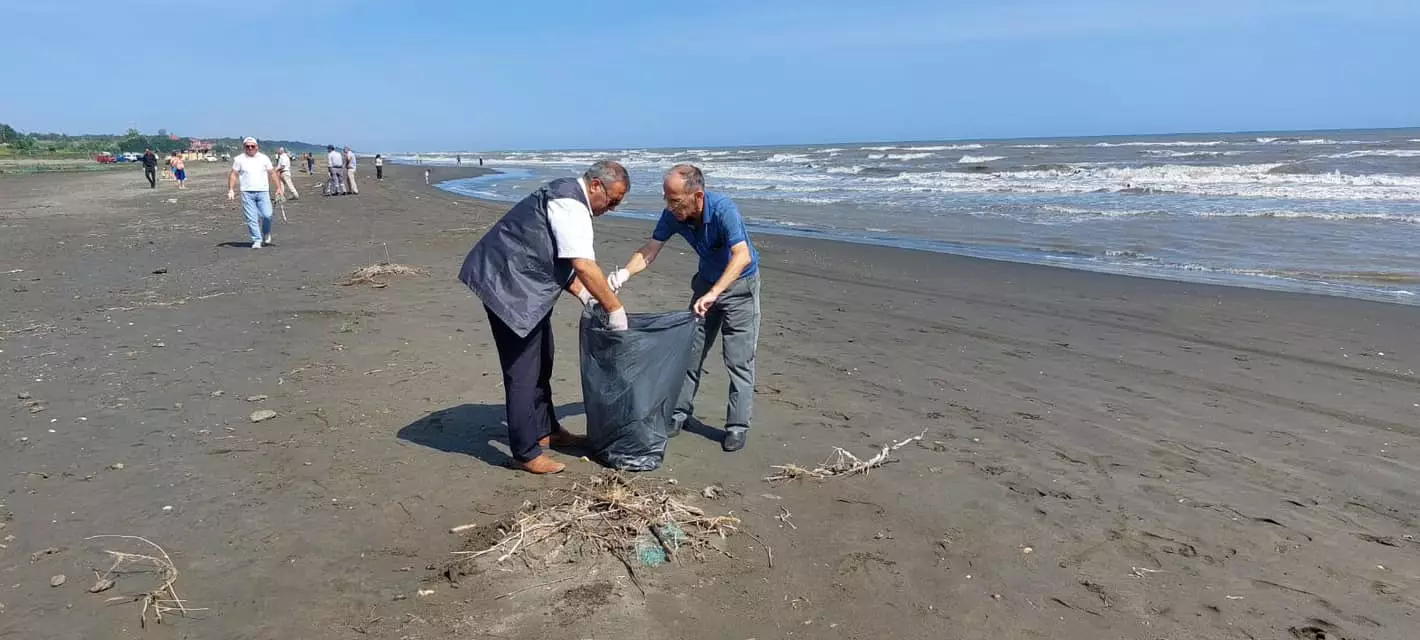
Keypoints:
(379, 167)
(179, 170)
(458, 160)
(310, 163)
(335, 162)
(283, 169)
(426, 175)
(540, 248)
(253, 172)
(350, 172)
(150, 167)
(725, 291)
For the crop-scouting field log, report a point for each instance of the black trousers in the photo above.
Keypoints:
(151, 173)
(527, 388)
(379, 172)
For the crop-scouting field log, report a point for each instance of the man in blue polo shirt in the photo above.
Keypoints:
(726, 291)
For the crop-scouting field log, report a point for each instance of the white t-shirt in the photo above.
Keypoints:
(379, 162)
(252, 171)
(571, 223)
(283, 162)
(334, 160)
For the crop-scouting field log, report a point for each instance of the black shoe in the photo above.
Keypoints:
(735, 439)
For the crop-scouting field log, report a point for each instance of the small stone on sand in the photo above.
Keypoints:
(264, 414)
(117, 466)
(57, 580)
(24, 395)
(255, 398)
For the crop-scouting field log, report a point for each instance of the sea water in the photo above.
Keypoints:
(1334, 212)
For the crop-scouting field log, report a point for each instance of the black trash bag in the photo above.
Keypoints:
(630, 382)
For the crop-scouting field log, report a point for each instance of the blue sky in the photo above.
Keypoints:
(465, 75)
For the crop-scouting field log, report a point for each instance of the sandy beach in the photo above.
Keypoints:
(1105, 457)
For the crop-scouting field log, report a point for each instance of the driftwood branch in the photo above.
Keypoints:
(842, 463)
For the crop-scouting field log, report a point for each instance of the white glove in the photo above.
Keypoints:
(618, 278)
(586, 298)
(616, 320)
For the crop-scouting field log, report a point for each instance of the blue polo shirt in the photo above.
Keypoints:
(721, 228)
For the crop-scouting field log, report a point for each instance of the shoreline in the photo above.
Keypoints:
(1251, 282)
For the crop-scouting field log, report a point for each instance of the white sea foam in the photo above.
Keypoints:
(1170, 153)
(1379, 153)
(909, 156)
(945, 147)
(1081, 213)
(1266, 140)
(1035, 146)
(970, 159)
(1312, 215)
(949, 147)
(1236, 180)
(1179, 143)
(786, 157)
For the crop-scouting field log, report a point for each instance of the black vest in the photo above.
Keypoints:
(514, 268)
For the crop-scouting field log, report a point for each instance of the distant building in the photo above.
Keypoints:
(197, 149)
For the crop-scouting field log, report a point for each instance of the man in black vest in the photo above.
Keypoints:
(540, 248)
(150, 167)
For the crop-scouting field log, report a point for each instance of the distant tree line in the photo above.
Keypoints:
(131, 141)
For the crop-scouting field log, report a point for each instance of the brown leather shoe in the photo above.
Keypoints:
(562, 438)
(541, 465)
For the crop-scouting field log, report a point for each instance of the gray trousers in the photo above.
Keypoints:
(734, 317)
(337, 181)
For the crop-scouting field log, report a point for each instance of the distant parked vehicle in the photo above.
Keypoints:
(105, 158)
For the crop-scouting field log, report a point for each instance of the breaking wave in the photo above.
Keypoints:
(968, 159)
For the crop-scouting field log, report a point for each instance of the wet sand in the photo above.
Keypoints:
(1105, 457)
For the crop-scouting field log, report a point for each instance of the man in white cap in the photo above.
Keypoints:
(252, 170)
(283, 168)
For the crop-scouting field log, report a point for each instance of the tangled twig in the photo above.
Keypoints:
(161, 600)
(376, 273)
(610, 513)
(842, 463)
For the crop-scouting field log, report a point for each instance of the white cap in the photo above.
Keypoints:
(249, 140)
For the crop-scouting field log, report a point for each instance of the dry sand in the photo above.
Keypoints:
(1105, 457)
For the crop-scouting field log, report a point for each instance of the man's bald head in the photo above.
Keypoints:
(684, 191)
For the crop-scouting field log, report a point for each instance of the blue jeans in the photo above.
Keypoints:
(257, 206)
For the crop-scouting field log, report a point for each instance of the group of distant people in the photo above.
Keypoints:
(176, 165)
(342, 166)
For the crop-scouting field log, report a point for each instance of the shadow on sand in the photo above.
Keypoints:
(471, 429)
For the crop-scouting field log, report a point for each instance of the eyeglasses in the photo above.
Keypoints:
(251, 146)
(612, 202)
